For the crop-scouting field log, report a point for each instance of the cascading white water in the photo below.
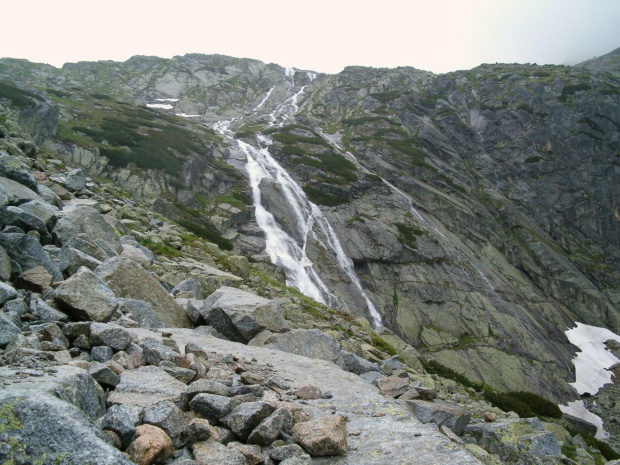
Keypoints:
(282, 248)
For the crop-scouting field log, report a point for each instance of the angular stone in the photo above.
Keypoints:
(52, 333)
(151, 445)
(185, 375)
(137, 255)
(86, 297)
(8, 331)
(101, 354)
(141, 312)
(278, 382)
(326, 436)
(27, 252)
(5, 265)
(90, 247)
(36, 279)
(189, 284)
(12, 168)
(286, 452)
(441, 413)
(211, 453)
(88, 221)
(75, 180)
(69, 384)
(45, 312)
(269, 429)
(211, 406)
(70, 260)
(392, 386)
(169, 418)
(246, 417)
(148, 385)
(43, 210)
(154, 352)
(116, 337)
(308, 393)
(103, 375)
(15, 216)
(357, 365)
(123, 419)
(207, 386)
(253, 454)
(310, 343)
(17, 193)
(248, 313)
(41, 425)
(128, 279)
(198, 430)
(7, 292)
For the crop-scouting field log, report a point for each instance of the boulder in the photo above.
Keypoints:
(70, 384)
(70, 260)
(8, 331)
(211, 453)
(288, 451)
(88, 221)
(148, 385)
(36, 279)
(43, 210)
(15, 216)
(104, 375)
(128, 279)
(123, 419)
(7, 292)
(97, 250)
(141, 312)
(17, 193)
(325, 436)
(45, 312)
(86, 297)
(13, 168)
(207, 386)
(392, 386)
(138, 255)
(213, 407)
(151, 445)
(248, 314)
(357, 365)
(75, 180)
(5, 265)
(253, 454)
(246, 417)
(441, 413)
(311, 343)
(38, 425)
(269, 429)
(167, 416)
(116, 337)
(27, 252)
(154, 351)
(189, 284)
(49, 196)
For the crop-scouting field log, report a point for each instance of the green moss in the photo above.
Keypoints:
(386, 96)
(209, 234)
(383, 345)
(591, 441)
(534, 159)
(320, 197)
(369, 119)
(159, 248)
(408, 234)
(18, 97)
(593, 124)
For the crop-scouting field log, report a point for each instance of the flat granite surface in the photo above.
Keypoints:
(381, 431)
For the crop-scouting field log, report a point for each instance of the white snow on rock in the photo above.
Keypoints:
(591, 369)
(166, 99)
(185, 115)
(578, 409)
(592, 362)
(163, 106)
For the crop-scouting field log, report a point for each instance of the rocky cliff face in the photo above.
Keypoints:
(480, 208)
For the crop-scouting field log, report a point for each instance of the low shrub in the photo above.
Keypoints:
(383, 345)
(206, 233)
(18, 97)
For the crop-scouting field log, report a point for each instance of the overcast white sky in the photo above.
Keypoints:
(320, 35)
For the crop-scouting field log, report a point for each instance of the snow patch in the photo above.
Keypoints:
(578, 409)
(185, 115)
(163, 106)
(166, 99)
(592, 362)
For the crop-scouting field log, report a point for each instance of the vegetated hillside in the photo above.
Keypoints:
(501, 229)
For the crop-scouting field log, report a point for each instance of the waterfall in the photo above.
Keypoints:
(284, 250)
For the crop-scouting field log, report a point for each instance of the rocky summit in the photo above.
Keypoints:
(211, 260)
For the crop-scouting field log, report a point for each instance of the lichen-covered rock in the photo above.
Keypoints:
(148, 385)
(441, 413)
(210, 453)
(311, 343)
(88, 221)
(37, 425)
(129, 280)
(325, 436)
(246, 417)
(86, 297)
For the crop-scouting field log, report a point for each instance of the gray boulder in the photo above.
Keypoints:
(325, 436)
(70, 260)
(75, 180)
(70, 384)
(216, 453)
(93, 248)
(123, 420)
(5, 265)
(15, 216)
(189, 284)
(86, 297)
(116, 337)
(211, 406)
(7, 292)
(49, 196)
(357, 365)
(101, 354)
(311, 343)
(8, 331)
(141, 312)
(88, 221)
(40, 427)
(246, 417)
(248, 313)
(269, 429)
(168, 417)
(154, 351)
(128, 279)
(17, 193)
(103, 374)
(207, 386)
(441, 413)
(27, 252)
(43, 210)
(13, 168)
(148, 385)
(45, 312)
